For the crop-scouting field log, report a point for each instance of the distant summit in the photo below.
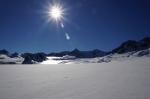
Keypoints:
(132, 45)
(87, 54)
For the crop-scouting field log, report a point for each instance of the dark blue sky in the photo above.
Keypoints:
(91, 24)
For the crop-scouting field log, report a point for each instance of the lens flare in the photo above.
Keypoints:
(67, 36)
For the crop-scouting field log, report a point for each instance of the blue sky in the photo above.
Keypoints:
(91, 24)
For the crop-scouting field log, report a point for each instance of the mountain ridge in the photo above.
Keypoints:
(125, 47)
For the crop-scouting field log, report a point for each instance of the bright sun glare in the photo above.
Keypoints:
(56, 12)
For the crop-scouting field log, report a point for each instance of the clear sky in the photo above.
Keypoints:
(90, 24)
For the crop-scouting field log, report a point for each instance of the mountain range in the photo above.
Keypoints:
(32, 58)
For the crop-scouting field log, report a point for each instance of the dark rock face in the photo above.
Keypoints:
(5, 52)
(87, 54)
(127, 47)
(76, 53)
(143, 53)
(98, 53)
(30, 58)
(14, 55)
(133, 46)
(145, 43)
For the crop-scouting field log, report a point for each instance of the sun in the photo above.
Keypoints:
(56, 12)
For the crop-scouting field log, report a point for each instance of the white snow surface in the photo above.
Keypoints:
(52, 60)
(128, 79)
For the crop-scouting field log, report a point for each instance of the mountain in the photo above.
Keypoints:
(87, 54)
(128, 46)
(30, 58)
(132, 45)
(127, 49)
(4, 52)
(26, 58)
(8, 58)
(80, 54)
(60, 54)
(135, 55)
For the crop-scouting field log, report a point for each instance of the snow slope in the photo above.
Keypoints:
(4, 59)
(128, 79)
(52, 60)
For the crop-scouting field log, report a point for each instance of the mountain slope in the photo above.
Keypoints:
(132, 45)
(80, 54)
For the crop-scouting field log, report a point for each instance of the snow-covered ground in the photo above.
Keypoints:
(52, 60)
(128, 79)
